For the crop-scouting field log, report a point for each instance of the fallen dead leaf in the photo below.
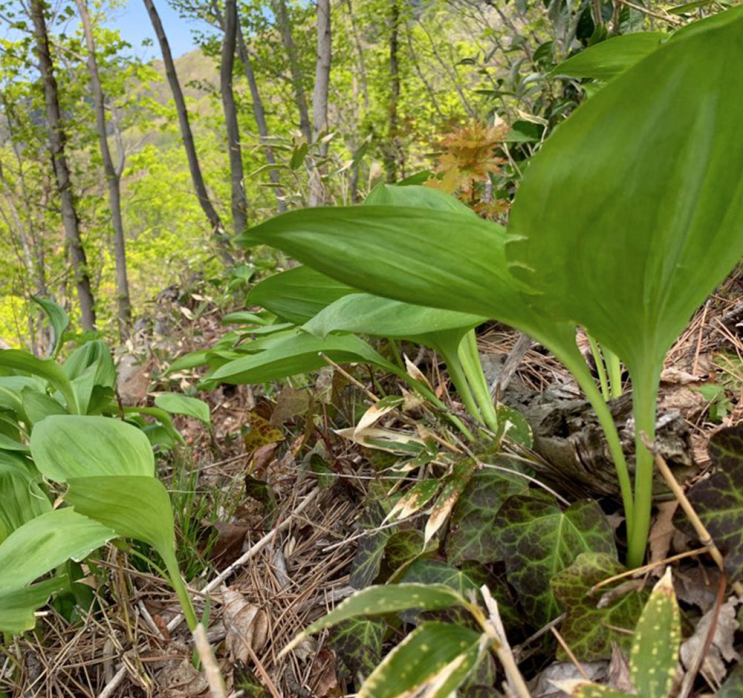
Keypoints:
(661, 533)
(246, 625)
(619, 672)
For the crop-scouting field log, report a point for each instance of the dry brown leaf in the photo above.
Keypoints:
(414, 372)
(558, 672)
(181, 680)
(290, 403)
(721, 649)
(698, 586)
(246, 625)
(324, 680)
(661, 533)
(619, 672)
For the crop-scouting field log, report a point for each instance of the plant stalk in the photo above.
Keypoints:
(614, 369)
(472, 366)
(645, 394)
(598, 358)
(179, 586)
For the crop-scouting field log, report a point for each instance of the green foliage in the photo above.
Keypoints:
(358, 641)
(175, 403)
(537, 540)
(595, 621)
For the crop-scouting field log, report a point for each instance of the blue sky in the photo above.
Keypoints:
(133, 22)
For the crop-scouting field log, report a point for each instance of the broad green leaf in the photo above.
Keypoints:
(599, 228)
(538, 540)
(11, 392)
(592, 624)
(733, 686)
(363, 313)
(297, 294)
(95, 353)
(64, 447)
(244, 317)
(17, 605)
(176, 403)
(58, 319)
(472, 534)
(134, 506)
(430, 652)
(189, 361)
(21, 496)
(718, 500)
(655, 644)
(18, 360)
(607, 59)
(44, 543)
(38, 406)
(383, 600)
(416, 197)
(297, 353)
(358, 642)
(8, 444)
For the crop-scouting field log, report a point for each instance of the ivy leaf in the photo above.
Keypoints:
(538, 540)
(718, 500)
(733, 687)
(358, 641)
(370, 550)
(438, 572)
(590, 628)
(472, 534)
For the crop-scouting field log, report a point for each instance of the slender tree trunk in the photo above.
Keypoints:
(259, 114)
(57, 144)
(112, 177)
(238, 198)
(285, 29)
(360, 52)
(393, 134)
(188, 142)
(320, 95)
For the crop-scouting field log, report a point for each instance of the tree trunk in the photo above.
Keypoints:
(112, 177)
(320, 95)
(188, 142)
(393, 146)
(259, 114)
(57, 144)
(360, 52)
(285, 29)
(238, 198)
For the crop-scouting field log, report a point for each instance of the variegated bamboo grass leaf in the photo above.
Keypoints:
(453, 486)
(382, 600)
(413, 500)
(437, 657)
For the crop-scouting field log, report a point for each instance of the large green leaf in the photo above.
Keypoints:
(71, 446)
(610, 58)
(22, 361)
(416, 197)
(538, 540)
(297, 353)
(595, 622)
(176, 403)
(135, 506)
(44, 543)
(632, 212)
(21, 496)
(432, 651)
(58, 319)
(718, 500)
(358, 641)
(17, 606)
(382, 317)
(297, 294)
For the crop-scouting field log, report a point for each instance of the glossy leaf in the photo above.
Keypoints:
(537, 540)
(176, 403)
(45, 542)
(432, 651)
(358, 642)
(595, 622)
(608, 59)
(69, 446)
(297, 294)
(17, 605)
(58, 319)
(718, 500)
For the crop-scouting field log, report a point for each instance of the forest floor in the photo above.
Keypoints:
(271, 510)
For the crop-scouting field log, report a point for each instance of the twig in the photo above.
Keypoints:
(650, 13)
(569, 652)
(516, 682)
(704, 535)
(211, 670)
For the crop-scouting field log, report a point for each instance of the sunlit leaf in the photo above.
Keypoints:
(58, 319)
(47, 369)
(69, 446)
(17, 605)
(20, 493)
(176, 403)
